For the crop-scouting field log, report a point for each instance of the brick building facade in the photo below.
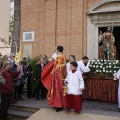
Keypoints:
(71, 23)
(4, 27)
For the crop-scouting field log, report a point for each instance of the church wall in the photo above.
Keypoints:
(91, 3)
(56, 22)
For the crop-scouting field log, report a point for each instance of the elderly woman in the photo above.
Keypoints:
(6, 89)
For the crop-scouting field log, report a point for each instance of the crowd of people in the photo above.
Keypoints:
(61, 80)
(17, 76)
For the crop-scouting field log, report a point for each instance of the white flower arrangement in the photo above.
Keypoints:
(105, 66)
(90, 65)
(110, 71)
(103, 70)
(2, 80)
(109, 66)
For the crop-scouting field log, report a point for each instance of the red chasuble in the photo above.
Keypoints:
(54, 81)
(46, 74)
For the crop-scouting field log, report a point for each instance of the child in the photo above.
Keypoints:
(75, 86)
(117, 75)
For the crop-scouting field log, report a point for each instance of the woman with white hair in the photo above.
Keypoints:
(6, 88)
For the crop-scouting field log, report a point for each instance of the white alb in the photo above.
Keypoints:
(117, 75)
(82, 68)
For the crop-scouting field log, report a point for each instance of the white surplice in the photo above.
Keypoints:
(117, 75)
(82, 68)
(74, 83)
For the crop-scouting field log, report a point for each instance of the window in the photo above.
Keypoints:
(28, 36)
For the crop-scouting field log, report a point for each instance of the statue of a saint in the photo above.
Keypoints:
(100, 38)
(108, 50)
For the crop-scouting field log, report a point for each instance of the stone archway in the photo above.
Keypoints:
(103, 14)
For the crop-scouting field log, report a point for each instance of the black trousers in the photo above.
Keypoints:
(18, 91)
(41, 89)
(5, 102)
(29, 91)
(37, 91)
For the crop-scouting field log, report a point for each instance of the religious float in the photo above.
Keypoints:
(99, 83)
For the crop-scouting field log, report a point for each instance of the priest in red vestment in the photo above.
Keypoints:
(53, 77)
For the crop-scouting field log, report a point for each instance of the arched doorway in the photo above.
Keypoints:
(100, 16)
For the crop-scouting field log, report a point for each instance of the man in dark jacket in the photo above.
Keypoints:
(39, 66)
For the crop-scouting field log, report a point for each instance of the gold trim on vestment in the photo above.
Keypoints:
(53, 71)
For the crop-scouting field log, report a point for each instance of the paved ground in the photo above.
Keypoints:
(94, 110)
(48, 114)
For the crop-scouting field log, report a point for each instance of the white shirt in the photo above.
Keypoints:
(68, 67)
(74, 83)
(54, 56)
(42, 65)
(82, 68)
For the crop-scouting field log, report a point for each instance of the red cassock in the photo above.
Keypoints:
(74, 102)
(53, 77)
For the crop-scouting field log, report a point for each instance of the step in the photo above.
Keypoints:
(18, 115)
(23, 108)
(49, 114)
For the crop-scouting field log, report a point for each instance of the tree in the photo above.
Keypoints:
(12, 0)
(11, 26)
(16, 26)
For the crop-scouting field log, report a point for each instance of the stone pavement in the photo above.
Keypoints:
(87, 104)
(92, 110)
(47, 114)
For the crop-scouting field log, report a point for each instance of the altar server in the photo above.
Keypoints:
(83, 65)
(75, 86)
(117, 75)
(71, 59)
